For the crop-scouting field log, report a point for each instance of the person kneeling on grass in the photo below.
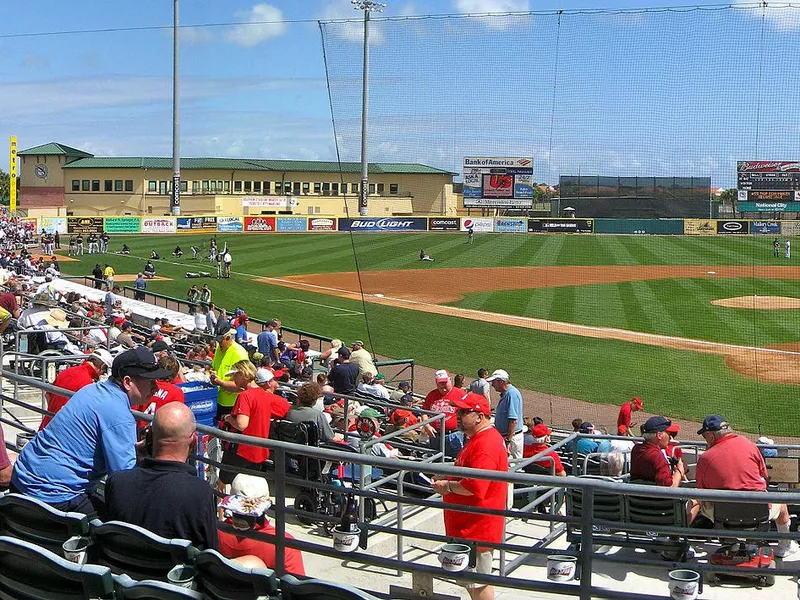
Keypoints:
(425, 257)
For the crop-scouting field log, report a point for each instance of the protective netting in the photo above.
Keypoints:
(672, 93)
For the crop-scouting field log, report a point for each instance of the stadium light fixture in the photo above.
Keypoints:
(367, 6)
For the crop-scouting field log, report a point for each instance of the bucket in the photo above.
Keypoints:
(345, 541)
(201, 398)
(183, 576)
(76, 549)
(561, 567)
(683, 584)
(454, 557)
(23, 439)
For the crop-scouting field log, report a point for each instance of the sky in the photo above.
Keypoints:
(675, 93)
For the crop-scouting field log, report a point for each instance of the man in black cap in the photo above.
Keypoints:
(92, 436)
(344, 376)
(649, 461)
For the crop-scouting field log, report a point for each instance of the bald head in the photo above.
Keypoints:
(250, 561)
(173, 427)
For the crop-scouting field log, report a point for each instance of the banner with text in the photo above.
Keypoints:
(230, 224)
(53, 224)
(123, 224)
(765, 227)
(384, 224)
(699, 227)
(259, 224)
(560, 226)
(727, 227)
(84, 225)
(478, 224)
(289, 224)
(444, 224)
(508, 225)
(321, 224)
(769, 206)
(284, 202)
(158, 224)
(196, 225)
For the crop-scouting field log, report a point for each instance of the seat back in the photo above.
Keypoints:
(219, 578)
(129, 549)
(649, 510)
(126, 588)
(33, 573)
(305, 434)
(316, 589)
(741, 515)
(34, 521)
(607, 506)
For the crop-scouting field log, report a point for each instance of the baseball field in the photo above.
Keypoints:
(693, 324)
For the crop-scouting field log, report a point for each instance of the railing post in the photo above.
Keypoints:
(587, 516)
(280, 511)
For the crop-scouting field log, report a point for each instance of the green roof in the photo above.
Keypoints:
(54, 149)
(246, 164)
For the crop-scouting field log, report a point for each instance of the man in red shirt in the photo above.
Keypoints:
(485, 449)
(75, 378)
(167, 390)
(253, 520)
(624, 418)
(732, 462)
(541, 442)
(649, 460)
(8, 307)
(441, 400)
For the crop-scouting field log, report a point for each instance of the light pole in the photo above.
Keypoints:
(175, 204)
(367, 6)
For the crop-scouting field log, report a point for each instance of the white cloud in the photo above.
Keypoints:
(781, 16)
(351, 29)
(409, 9)
(491, 6)
(263, 24)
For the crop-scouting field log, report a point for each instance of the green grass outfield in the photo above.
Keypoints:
(678, 383)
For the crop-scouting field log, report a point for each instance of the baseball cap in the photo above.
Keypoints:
(358, 342)
(656, 424)
(344, 352)
(251, 486)
(541, 430)
(264, 376)
(712, 423)
(223, 334)
(472, 401)
(441, 375)
(159, 346)
(586, 427)
(139, 362)
(278, 373)
(498, 374)
(372, 413)
(104, 355)
(380, 377)
(403, 384)
(637, 401)
(674, 428)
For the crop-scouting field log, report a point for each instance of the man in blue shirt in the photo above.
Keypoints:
(508, 415)
(268, 341)
(93, 435)
(585, 445)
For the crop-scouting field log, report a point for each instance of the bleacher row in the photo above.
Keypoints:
(126, 561)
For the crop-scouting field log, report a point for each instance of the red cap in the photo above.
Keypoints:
(278, 373)
(472, 401)
(541, 430)
(674, 428)
(638, 402)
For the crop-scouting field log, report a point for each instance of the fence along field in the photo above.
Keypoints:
(547, 277)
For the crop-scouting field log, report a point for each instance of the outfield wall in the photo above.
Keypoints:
(213, 224)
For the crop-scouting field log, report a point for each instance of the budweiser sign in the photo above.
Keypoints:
(769, 166)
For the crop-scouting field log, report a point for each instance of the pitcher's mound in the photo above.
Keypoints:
(759, 302)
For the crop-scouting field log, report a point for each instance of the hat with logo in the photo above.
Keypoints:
(712, 423)
(541, 430)
(139, 362)
(372, 413)
(656, 424)
(473, 402)
(441, 375)
(264, 376)
(103, 355)
(498, 374)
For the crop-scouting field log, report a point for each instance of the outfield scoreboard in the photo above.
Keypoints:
(767, 180)
(498, 182)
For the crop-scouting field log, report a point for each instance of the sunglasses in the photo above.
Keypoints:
(466, 411)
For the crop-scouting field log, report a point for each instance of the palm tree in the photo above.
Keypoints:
(5, 186)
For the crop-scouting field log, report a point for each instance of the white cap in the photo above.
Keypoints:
(103, 355)
(765, 441)
(264, 376)
(442, 375)
(251, 486)
(499, 374)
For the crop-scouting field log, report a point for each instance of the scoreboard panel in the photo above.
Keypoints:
(768, 176)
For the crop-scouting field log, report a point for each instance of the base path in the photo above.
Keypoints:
(425, 289)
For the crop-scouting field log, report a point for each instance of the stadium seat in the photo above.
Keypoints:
(34, 521)
(28, 572)
(219, 578)
(126, 588)
(134, 551)
(293, 588)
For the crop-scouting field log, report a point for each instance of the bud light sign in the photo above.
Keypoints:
(384, 224)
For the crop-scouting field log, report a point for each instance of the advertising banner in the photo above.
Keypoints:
(384, 224)
(53, 224)
(270, 202)
(259, 224)
(765, 227)
(790, 228)
(769, 206)
(196, 225)
(291, 223)
(84, 225)
(158, 224)
(498, 182)
(726, 227)
(768, 175)
(444, 224)
(321, 224)
(699, 227)
(478, 224)
(123, 224)
(30, 223)
(560, 225)
(506, 225)
(230, 224)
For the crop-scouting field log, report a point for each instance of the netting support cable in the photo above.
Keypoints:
(342, 183)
